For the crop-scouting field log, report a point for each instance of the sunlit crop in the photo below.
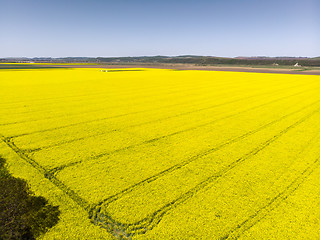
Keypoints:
(165, 154)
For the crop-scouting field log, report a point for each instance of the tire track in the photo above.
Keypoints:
(117, 231)
(121, 230)
(139, 104)
(115, 130)
(93, 93)
(136, 112)
(117, 116)
(149, 222)
(159, 120)
(127, 230)
(108, 222)
(184, 163)
(271, 205)
(108, 153)
(201, 87)
(172, 91)
(91, 111)
(80, 201)
(117, 106)
(45, 99)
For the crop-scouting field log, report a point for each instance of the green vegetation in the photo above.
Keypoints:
(185, 59)
(26, 66)
(22, 215)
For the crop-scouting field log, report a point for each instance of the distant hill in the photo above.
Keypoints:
(189, 59)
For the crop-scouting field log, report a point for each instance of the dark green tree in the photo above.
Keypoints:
(22, 215)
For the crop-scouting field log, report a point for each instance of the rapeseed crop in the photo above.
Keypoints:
(164, 154)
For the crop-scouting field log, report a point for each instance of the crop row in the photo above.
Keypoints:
(152, 154)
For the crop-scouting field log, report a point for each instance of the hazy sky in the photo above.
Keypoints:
(59, 28)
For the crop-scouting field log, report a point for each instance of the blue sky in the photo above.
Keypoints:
(229, 28)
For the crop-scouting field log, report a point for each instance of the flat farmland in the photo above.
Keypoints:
(167, 154)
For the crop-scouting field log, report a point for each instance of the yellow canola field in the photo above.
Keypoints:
(166, 154)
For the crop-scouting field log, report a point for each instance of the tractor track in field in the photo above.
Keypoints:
(136, 112)
(139, 124)
(104, 213)
(127, 114)
(127, 127)
(91, 94)
(60, 168)
(201, 154)
(149, 222)
(102, 119)
(276, 201)
(55, 170)
(23, 155)
(125, 231)
(31, 150)
(262, 212)
(173, 92)
(94, 98)
(101, 110)
(85, 100)
(45, 99)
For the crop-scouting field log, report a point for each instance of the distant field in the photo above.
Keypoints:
(167, 154)
(282, 69)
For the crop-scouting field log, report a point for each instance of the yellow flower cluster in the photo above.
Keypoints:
(165, 154)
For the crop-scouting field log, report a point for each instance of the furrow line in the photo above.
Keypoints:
(94, 94)
(126, 114)
(193, 158)
(59, 168)
(122, 115)
(153, 219)
(104, 109)
(10, 123)
(172, 91)
(131, 126)
(112, 229)
(274, 202)
(75, 197)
